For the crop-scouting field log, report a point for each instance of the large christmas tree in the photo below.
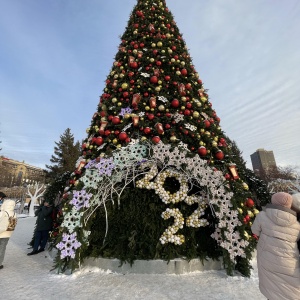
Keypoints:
(156, 178)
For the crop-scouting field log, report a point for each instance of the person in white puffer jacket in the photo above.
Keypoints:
(277, 253)
(7, 210)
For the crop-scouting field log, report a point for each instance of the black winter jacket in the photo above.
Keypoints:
(44, 219)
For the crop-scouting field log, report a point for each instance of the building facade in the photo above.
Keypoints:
(262, 160)
(15, 173)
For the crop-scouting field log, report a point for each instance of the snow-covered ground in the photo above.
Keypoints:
(29, 277)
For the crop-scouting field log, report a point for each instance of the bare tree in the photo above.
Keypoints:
(35, 193)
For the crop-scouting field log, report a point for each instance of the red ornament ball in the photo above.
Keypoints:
(184, 72)
(175, 103)
(98, 141)
(123, 136)
(250, 202)
(227, 176)
(115, 120)
(219, 155)
(156, 139)
(151, 117)
(202, 151)
(147, 130)
(154, 79)
(134, 65)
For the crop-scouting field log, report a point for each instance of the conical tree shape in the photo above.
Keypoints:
(155, 178)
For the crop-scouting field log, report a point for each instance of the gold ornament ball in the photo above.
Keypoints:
(116, 76)
(126, 116)
(214, 144)
(250, 213)
(161, 108)
(153, 45)
(147, 108)
(178, 73)
(119, 104)
(124, 86)
(173, 138)
(159, 44)
(245, 186)
(122, 75)
(114, 100)
(157, 89)
(115, 141)
(196, 114)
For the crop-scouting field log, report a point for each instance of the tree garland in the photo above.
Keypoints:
(133, 164)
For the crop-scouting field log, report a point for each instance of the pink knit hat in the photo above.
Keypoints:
(282, 199)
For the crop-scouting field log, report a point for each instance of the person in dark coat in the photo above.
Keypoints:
(44, 225)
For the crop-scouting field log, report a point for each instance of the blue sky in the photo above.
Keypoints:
(55, 56)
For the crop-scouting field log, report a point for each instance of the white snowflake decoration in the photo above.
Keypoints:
(163, 99)
(72, 220)
(183, 146)
(190, 127)
(127, 155)
(145, 75)
(178, 117)
(161, 151)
